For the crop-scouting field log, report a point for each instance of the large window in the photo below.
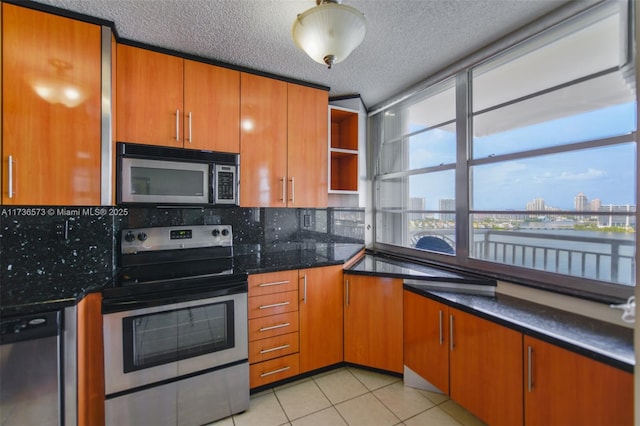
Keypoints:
(416, 180)
(541, 184)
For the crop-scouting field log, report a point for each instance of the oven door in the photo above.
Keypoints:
(164, 342)
(157, 181)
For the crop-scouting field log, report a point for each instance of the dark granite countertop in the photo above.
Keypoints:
(605, 342)
(287, 256)
(40, 293)
(35, 293)
(385, 266)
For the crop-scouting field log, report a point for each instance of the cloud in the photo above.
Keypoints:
(589, 174)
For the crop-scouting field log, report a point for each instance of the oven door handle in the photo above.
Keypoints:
(139, 301)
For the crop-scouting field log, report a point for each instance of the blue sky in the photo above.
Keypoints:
(604, 173)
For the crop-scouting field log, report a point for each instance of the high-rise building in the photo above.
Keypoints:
(447, 204)
(416, 203)
(621, 219)
(537, 204)
(581, 203)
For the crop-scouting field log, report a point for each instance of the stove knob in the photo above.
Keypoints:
(142, 236)
(225, 232)
(129, 237)
(215, 232)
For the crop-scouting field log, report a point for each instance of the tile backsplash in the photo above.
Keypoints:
(63, 241)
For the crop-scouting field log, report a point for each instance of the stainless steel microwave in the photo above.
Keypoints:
(149, 174)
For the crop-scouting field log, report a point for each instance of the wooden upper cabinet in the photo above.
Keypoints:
(486, 365)
(166, 100)
(373, 322)
(283, 141)
(565, 388)
(321, 317)
(149, 96)
(51, 109)
(307, 147)
(426, 339)
(211, 107)
(263, 141)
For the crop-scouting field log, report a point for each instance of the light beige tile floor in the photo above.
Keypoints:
(350, 397)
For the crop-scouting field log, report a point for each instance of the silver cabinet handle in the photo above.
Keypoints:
(530, 368)
(293, 191)
(190, 129)
(274, 305)
(284, 190)
(451, 344)
(279, 370)
(11, 192)
(178, 125)
(304, 296)
(277, 348)
(440, 326)
(273, 283)
(273, 327)
(347, 298)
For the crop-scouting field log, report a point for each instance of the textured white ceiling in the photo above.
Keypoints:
(406, 40)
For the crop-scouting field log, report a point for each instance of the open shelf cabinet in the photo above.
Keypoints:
(343, 150)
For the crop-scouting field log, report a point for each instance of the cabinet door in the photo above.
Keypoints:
(307, 147)
(51, 109)
(486, 368)
(211, 107)
(321, 317)
(373, 322)
(562, 387)
(90, 362)
(426, 339)
(149, 97)
(263, 141)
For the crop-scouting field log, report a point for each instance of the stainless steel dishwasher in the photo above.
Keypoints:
(32, 369)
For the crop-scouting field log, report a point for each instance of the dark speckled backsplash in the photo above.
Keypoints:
(30, 246)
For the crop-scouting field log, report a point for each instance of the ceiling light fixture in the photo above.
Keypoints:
(329, 32)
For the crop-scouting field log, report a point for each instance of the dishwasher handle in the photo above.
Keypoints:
(30, 327)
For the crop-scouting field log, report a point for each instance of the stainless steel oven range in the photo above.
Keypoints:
(175, 329)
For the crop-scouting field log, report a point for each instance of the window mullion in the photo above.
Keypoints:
(463, 154)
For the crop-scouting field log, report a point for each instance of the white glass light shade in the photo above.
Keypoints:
(329, 32)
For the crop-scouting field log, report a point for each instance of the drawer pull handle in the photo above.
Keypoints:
(277, 348)
(273, 283)
(274, 305)
(273, 327)
(279, 370)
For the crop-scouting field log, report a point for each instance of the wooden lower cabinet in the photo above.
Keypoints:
(373, 322)
(273, 327)
(273, 370)
(91, 394)
(564, 388)
(426, 339)
(321, 317)
(485, 374)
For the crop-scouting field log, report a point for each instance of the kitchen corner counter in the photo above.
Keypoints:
(287, 256)
(41, 293)
(608, 343)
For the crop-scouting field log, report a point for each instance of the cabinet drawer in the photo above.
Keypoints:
(273, 370)
(273, 347)
(272, 282)
(274, 325)
(273, 304)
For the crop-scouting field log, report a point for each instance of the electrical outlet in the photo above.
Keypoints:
(62, 230)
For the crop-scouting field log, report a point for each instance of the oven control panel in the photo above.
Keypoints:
(175, 238)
